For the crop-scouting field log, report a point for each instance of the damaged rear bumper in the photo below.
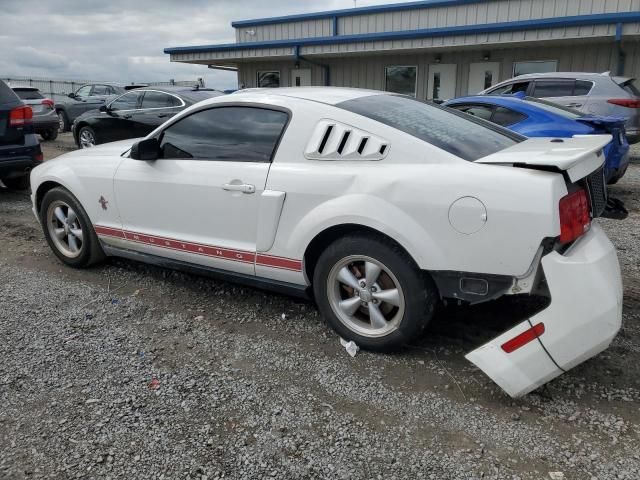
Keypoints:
(582, 319)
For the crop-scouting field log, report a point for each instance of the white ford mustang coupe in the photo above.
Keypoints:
(375, 204)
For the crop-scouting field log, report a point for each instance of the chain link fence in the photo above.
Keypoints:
(58, 89)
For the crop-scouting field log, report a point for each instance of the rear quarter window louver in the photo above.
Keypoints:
(333, 140)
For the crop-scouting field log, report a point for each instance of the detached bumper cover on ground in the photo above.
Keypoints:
(584, 316)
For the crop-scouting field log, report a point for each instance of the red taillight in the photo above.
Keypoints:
(39, 157)
(524, 338)
(20, 116)
(575, 218)
(625, 102)
(48, 103)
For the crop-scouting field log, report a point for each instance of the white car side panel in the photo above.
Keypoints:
(88, 180)
(183, 205)
(270, 208)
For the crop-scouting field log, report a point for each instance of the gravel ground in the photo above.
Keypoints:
(130, 371)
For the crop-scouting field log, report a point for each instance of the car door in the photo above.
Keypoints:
(117, 122)
(78, 104)
(157, 107)
(198, 202)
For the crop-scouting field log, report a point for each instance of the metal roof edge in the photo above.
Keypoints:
(349, 12)
(576, 20)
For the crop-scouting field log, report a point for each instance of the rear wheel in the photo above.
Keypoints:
(370, 291)
(63, 122)
(17, 183)
(68, 230)
(87, 137)
(49, 135)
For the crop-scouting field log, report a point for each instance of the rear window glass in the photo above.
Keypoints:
(442, 127)
(561, 110)
(27, 94)
(195, 96)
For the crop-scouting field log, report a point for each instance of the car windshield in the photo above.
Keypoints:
(563, 111)
(452, 131)
(28, 93)
(195, 96)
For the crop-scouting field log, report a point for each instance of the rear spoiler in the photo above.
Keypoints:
(578, 156)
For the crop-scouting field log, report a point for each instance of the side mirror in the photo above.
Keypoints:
(72, 95)
(147, 149)
(103, 108)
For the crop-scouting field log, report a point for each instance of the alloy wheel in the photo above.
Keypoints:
(87, 139)
(366, 296)
(65, 229)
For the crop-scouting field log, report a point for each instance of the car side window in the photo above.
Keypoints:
(505, 116)
(128, 101)
(510, 88)
(100, 90)
(159, 100)
(553, 88)
(239, 134)
(582, 87)
(479, 111)
(84, 91)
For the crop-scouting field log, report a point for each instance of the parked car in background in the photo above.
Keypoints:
(19, 146)
(379, 204)
(88, 97)
(45, 119)
(591, 93)
(533, 117)
(135, 114)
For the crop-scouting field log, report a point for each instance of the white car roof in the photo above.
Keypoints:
(565, 75)
(328, 95)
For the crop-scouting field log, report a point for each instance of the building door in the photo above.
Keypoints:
(442, 81)
(482, 75)
(301, 77)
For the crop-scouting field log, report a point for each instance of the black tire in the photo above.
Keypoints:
(49, 135)
(419, 293)
(88, 131)
(90, 250)
(17, 183)
(63, 120)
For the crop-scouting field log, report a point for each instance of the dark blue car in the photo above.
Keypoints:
(533, 117)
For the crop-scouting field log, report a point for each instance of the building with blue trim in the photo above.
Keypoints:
(434, 49)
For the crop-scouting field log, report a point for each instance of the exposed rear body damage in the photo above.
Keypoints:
(583, 282)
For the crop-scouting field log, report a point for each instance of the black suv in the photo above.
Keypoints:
(19, 147)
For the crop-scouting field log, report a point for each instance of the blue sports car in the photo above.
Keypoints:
(533, 117)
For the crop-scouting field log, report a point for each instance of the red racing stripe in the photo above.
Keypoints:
(202, 249)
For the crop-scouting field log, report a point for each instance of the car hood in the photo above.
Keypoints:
(104, 150)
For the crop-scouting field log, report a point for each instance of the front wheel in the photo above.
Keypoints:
(87, 137)
(370, 291)
(68, 230)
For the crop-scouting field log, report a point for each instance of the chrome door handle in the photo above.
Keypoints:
(239, 187)
(574, 105)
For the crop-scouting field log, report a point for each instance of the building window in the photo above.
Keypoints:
(268, 79)
(401, 80)
(542, 66)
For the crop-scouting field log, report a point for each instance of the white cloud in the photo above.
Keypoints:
(123, 40)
